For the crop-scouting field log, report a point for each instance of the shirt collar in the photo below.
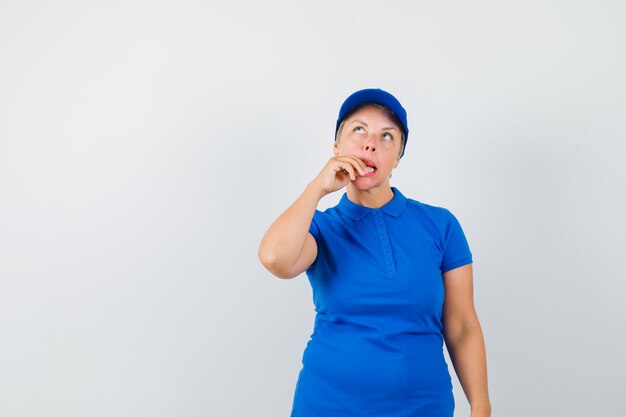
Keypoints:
(394, 207)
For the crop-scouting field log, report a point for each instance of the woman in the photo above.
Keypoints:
(391, 279)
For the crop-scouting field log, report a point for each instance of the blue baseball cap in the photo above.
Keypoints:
(374, 96)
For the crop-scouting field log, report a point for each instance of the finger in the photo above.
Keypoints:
(359, 164)
(355, 162)
(350, 170)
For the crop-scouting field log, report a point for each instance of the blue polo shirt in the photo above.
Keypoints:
(377, 345)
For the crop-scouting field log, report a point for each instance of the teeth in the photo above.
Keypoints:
(370, 169)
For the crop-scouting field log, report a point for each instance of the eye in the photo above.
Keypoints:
(388, 136)
(356, 129)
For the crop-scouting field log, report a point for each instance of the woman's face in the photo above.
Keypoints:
(372, 135)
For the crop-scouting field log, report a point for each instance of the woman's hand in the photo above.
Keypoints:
(338, 172)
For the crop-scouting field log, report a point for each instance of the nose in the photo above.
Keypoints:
(369, 145)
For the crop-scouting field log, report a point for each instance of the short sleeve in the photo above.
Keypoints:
(457, 252)
(315, 231)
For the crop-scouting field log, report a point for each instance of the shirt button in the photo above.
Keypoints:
(386, 249)
(389, 262)
(380, 224)
(382, 236)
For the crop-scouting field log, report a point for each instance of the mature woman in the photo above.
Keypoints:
(391, 279)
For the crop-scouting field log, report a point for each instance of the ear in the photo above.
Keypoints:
(335, 149)
(396, 163)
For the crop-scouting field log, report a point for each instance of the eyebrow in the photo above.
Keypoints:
(384, 128)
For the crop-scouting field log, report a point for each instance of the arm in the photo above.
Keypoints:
(464, 338)
(287, 248)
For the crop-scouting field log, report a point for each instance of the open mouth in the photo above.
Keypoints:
(370, 166)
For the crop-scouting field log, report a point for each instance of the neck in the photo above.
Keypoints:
(372, 198)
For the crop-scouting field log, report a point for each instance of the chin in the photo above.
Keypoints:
(367, 183)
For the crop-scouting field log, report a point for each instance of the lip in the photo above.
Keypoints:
(371, 163)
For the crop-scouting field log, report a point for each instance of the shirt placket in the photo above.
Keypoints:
(385, 244)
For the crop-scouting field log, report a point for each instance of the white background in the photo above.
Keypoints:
(146, 146)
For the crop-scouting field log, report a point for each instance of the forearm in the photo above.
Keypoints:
(284, 240)
(468, 355)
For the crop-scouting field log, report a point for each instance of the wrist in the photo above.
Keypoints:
(315, 190)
